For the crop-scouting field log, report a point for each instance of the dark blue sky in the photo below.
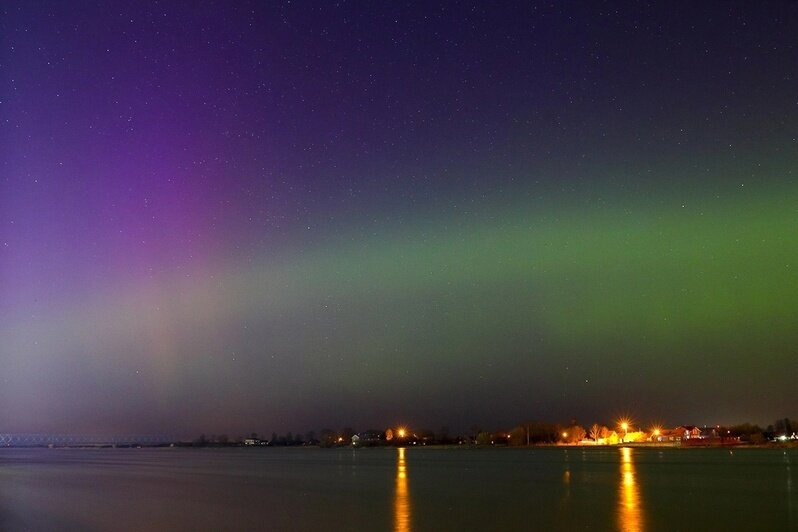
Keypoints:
(277, 216)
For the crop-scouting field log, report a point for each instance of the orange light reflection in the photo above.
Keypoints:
(629, 502)
(401, 503)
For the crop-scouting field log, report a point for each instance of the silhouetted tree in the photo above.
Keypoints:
(426, 436)
(518, 436)
(327, 438)
(746, 432)
(484, 438)
(542, 432)
(783, 427)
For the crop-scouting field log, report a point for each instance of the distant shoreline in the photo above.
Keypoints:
(637, 445)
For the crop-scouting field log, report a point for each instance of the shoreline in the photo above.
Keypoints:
(636, 445)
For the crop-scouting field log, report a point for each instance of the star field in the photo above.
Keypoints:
(272, 216)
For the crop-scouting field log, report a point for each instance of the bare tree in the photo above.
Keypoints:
(576, 434)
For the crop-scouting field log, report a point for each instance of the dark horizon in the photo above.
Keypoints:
(258, 216)
(745, 432)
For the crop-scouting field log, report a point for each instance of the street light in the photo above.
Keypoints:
(624, 428)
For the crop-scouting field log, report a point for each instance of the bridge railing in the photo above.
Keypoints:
(74, 440)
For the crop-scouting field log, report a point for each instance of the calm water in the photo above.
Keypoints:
(398, 489)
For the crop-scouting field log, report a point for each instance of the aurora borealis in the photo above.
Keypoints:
(282, 216)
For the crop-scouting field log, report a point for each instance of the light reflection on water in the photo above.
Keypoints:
(401, 503)
(635, 489)
(629, 502)
(790, 512)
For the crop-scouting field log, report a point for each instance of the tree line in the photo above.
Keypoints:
(527, 433)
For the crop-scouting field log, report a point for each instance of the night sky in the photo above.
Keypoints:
(284, 216)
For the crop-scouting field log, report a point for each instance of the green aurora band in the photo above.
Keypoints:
(684, 302)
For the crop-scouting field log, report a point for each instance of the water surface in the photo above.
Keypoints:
(398, 489)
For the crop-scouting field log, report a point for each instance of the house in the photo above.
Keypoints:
(682, 432)
(370, 438)
(687, 432)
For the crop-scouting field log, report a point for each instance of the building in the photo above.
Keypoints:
(369, 438)
(688, 432)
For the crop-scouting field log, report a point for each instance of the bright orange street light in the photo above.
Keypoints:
(624, 424)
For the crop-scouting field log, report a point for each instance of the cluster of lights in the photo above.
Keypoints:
(624, 424)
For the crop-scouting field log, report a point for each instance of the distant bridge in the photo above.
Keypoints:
(80, 440)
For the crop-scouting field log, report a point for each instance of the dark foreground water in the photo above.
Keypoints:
(398, 489)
